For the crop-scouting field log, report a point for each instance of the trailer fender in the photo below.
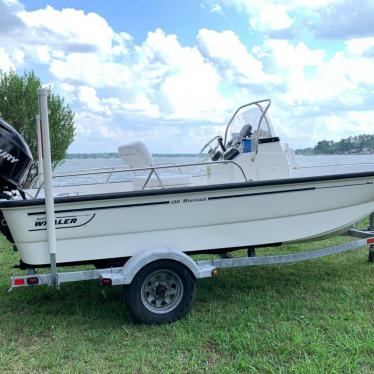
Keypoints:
(143, 258)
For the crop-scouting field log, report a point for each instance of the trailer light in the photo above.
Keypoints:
(32, 281)
(214, 272)
(106, 281)
(371, 241)
(19, 282)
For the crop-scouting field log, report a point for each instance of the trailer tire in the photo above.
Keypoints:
(161, 292)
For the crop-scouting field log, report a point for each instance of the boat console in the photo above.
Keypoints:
(250, 142)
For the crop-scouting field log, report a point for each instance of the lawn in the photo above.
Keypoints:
(311, 317)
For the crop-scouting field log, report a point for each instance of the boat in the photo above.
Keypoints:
(244, 191)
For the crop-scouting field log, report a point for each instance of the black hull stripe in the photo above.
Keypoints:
(346, 185)
(287, 191)
(261, 193)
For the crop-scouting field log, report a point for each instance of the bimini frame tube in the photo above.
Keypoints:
(40, 150)
(48, 188)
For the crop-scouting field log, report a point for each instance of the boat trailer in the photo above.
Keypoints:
(159, 284)
(200, 268)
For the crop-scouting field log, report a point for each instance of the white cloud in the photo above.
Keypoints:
(43, 53)
(88, 97)
(90, 69)
(70, 27)
(183, 83)
(292, 62)
(359, 46)
(279, 15)
(287, 55)
(139, 108)
(345, 19)
(271, 17)
(216, 8)
(235, 62)
(5, 61)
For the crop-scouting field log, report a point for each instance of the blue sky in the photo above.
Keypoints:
(170, 73)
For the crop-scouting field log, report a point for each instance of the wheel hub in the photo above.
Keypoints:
(162, 291)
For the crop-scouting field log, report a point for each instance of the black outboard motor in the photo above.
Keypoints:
(15, 162)
(15, 158)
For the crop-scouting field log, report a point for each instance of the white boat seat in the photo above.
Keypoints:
(171, 180)
(135, 155)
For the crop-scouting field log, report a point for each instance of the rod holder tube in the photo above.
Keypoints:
(40, 149)
(48, 186)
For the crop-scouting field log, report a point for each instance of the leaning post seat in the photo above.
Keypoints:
(136, 156)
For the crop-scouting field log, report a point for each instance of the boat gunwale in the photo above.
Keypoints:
(181, 190)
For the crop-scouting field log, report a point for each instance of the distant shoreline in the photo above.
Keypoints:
(115, 155)
(299, 153)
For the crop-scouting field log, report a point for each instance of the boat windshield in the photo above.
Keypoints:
(252, 120)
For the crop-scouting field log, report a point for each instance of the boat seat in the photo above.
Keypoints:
(137, 156)
(169, 180)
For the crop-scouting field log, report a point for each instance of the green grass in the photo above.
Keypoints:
(311, 317)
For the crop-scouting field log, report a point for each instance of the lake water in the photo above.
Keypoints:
(93, 163)
(72, 165)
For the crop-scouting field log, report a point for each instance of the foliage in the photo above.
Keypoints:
(353, 144)
(19, 106)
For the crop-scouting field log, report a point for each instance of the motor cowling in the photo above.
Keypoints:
(15, 158)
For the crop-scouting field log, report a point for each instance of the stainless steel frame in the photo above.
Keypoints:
(263, 115)
(152, 170)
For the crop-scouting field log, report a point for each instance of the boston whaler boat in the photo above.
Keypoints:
(247, 192)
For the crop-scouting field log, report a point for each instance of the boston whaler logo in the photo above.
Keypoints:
(64, 222)
(7, 156)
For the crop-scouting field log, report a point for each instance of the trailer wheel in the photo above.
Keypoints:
(161, 292)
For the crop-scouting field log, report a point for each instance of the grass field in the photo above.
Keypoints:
(312, 317)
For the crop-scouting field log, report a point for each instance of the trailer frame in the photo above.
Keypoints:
(200, 268)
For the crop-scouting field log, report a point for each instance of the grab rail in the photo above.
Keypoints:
(263, 115)
(152, 170)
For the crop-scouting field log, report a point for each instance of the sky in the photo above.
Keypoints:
(171, 73)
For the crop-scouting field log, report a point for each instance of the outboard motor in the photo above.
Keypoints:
(15, 162)
(15, 158)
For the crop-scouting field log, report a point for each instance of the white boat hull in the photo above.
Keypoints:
(196, 219)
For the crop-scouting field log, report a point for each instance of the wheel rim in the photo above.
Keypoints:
(162, 291)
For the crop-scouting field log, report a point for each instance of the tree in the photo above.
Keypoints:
(324, 147)
(19, 106)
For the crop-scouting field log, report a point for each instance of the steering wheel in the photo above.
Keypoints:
(212, 149)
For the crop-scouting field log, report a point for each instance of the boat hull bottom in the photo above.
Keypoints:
(200, 238)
